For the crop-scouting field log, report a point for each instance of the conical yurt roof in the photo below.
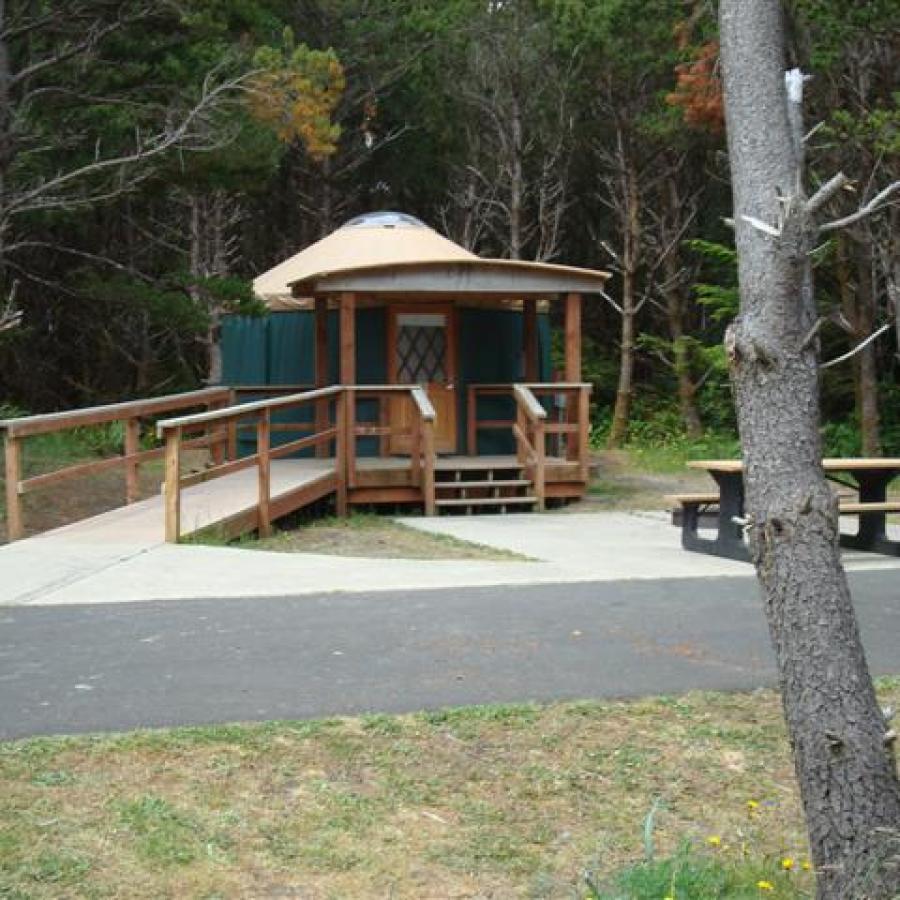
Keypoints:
(370, 240)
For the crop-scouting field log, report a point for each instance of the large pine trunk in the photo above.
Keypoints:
(845, 767)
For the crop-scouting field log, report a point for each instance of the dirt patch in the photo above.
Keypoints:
(619, 485)
(375, 537)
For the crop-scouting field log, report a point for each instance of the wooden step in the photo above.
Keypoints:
(486, 501)
(462, 485)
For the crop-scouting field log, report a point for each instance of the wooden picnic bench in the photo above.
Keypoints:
(871, 477)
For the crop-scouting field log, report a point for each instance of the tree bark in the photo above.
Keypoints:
(845, 767)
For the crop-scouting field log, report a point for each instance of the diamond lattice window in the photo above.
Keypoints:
(421, 349)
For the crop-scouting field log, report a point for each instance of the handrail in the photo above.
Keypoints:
(532, 452)
(129, 412)
(422, 435)
(28, 426)
(245, 409)
(529, 402)
(173, 429)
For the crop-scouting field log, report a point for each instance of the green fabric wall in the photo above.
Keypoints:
(280, 349)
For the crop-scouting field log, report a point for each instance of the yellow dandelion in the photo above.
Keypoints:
(787, 864)
(714, 840)
(806, 865)
(765, 885)
(752, 805)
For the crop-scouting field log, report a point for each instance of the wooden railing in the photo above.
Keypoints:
(420, 433)
(130, 414)
(529, 430)
(565, 420)
(233, 419)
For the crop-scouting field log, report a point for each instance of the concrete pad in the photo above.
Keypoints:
(60, 569)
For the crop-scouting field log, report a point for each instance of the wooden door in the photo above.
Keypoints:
(422, 350)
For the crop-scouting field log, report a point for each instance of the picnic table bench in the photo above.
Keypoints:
(871, 477)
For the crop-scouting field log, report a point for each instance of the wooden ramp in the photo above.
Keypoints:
(228, 504)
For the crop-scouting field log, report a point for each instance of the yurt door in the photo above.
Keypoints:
(423, 351)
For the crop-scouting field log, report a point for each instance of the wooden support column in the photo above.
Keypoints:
(348, 339)
(173, 485)
(530, 339)
(348, 379)
(584, 421)
(15, 526)
(540, 455)
(263, 448)
(132, 447)
(232, 431)
(322, 417)
(573, 338)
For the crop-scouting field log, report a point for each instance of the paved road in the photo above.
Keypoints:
(114, 667)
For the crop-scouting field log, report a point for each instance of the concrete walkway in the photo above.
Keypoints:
(107, 565)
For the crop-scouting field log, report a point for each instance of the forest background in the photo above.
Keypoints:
(154, 157)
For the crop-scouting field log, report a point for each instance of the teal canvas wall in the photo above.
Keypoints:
(280, 349)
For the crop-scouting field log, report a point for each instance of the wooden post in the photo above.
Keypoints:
(217, 437)
(350, 437)
(472, 422)
(341, 506)
(232, 429)
(264, 464)
(173, 485)
(415, 450)
(540, 453)
(584, 424)
(348, 339)
(322, 417)
(15, 526)
(573, 338)
(132, 447)
(530, 338)
(428, 466)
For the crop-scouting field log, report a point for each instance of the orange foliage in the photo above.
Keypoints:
(698, 90)
(296, 98)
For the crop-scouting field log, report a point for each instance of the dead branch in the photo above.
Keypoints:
(860, 346)
(864, 211)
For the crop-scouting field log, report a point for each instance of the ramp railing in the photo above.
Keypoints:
(255, 415)
(131, 414)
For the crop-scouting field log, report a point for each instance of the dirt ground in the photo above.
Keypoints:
(373, 536)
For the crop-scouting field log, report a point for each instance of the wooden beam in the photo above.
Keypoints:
(263, 453)
(348, 338)
(321, 316)
(132, 448)
(15, 526)
(173, 485)
(573, 338)
(530, 338)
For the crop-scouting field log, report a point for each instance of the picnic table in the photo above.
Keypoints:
(870, 480)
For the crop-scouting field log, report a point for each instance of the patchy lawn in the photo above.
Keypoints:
(370, 535)
(512, 801)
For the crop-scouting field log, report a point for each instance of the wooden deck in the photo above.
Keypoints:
(235, 492)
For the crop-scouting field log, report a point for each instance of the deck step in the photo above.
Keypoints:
(486, 501)
(462, 485)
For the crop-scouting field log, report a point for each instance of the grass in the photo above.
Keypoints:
(487, 801)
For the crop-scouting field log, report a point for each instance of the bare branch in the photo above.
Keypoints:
(826, 192)
(871, 207)
(860, 346)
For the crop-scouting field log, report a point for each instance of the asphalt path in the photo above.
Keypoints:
(115, 667)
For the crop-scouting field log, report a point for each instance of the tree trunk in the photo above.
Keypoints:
(865, 363)
(516, 183)
(845, 768)
(631, 236)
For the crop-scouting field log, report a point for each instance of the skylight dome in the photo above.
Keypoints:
(385, 219)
